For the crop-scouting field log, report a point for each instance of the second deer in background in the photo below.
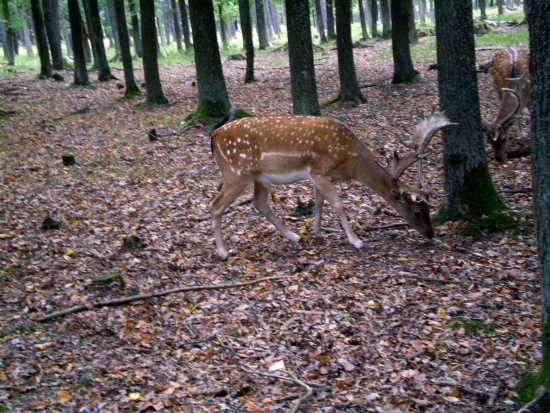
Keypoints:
(509, 71)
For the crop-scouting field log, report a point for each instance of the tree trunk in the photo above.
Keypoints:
(9, 34)
(413, 36)
(177, 33)
(374, 13)
(223, 31)
(482, 10)
(363, 20)
(386, 19)
(136, 35)
(403, 70)
(470, 190)
(46, 69)
(300, 52)
(246, 26)
(329, 6)
(212, 92)
(320, 22)
(185, 26)
(96, 37)
(349, 87)
(53, 32)
(538, 18)
(75, 20)
(131, 87)
(260, 24)
(153, 87)
(26, 33)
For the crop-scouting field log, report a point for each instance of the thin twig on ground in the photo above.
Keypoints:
(125, 300)
(527, 408)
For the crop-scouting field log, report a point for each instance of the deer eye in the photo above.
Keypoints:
(418, 214)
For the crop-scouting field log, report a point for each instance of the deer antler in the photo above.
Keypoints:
(420, 140)
(511, 117)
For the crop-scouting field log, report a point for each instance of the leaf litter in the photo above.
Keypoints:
(405, 326)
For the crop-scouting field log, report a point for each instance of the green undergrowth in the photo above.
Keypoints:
(529, 387)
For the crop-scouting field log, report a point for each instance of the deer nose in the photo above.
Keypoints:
(429, 234)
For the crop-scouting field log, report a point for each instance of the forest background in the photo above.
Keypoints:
(408, 325)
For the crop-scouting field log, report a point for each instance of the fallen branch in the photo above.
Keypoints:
(527, 408)
(293, 378)
(124, 300)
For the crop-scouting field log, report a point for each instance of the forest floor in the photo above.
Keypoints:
(409, 325)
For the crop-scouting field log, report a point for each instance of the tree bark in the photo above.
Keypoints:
(374, 13)
(349, 87)
(175, 21)
(246, 26)
(9, 34)
(153, 87)
(212, 92)
(75, 20)
(53, 32)
(96, 37)
(136, 35)
(185, 26)
(260, 24)
(386, 19)
(329, 6)
(470, 190)
(46, 69)
(131, 87)
(300, 52)
(539, 39)
(320, 22)
(403, 70)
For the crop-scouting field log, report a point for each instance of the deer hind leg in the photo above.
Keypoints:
(228, 195)
(319, 201)
(261, 193)
(327, 190)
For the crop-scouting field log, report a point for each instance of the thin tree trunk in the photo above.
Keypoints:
(175, 21)
(363, 20)
(131, 87)
(51, 23)
(349, 87)
(300, 52)
(136, 35)
(75, 20)
(153, 87)
(386, 19)
(8, 34)
(246, 26)
(185, 26)
(260, 24)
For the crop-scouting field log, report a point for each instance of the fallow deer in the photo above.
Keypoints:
(509, 72)
(281, 150)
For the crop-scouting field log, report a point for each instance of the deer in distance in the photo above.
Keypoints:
(279, 150)
(509, 73)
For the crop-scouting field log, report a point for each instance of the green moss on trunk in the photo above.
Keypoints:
(208, 119)
(529, 387)
(476, 201)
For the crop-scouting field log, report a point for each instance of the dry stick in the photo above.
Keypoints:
(536, 400)
(293, 378)
(124, 300)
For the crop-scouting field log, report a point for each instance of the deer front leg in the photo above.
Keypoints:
(261, 193)
(327, 190)
(226, 197)
(319, 201)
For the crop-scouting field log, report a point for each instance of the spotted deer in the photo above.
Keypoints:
(509, 72)
(281, 150)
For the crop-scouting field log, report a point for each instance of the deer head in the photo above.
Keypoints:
(509, 71)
